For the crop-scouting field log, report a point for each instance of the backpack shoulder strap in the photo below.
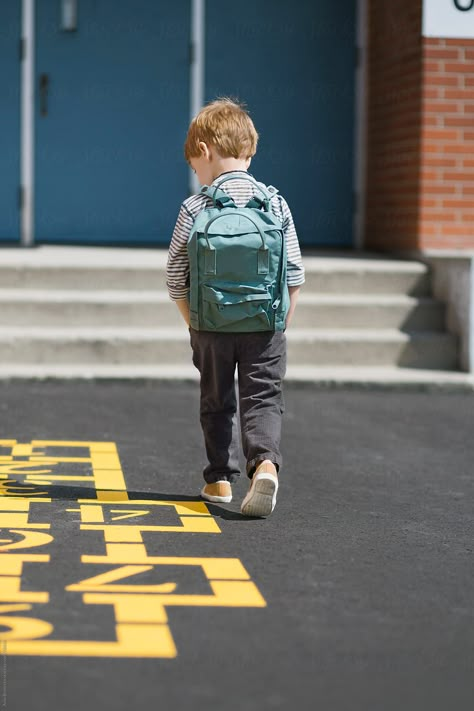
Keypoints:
(258, 202)
(218, 196)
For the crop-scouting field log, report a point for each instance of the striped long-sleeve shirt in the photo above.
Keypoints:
(241, 191)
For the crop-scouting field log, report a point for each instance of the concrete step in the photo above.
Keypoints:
(366, 276)
(107, 310)
(122, 269)
(370, 311)
(68, 307)
(170, 346)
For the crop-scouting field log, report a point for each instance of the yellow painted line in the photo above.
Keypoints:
(8, 503)
(10, 591)
(125, 571)
(58, 460)
(21, 468)
(112, 479)
(22, 450)
(113, 497)
(105, 460)
(40, 479)
(14, 608)
(23, 627)
(19, 520)
(11, 488)
(191, 508)
(213, 568)
(96, 446)
(117, 532)
(90, 514)
(12, 564)
(133, 640)
(127, 513)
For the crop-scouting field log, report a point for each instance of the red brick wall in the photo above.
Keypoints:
(420, 142)
(447, 168)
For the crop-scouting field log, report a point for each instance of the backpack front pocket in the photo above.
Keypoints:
(235, 308)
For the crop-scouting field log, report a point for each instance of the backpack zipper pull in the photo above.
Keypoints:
(276, 303)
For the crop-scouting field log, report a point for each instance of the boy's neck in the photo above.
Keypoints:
(226, 165)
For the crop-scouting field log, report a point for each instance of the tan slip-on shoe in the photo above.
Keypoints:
(261, 496)
(220, 492)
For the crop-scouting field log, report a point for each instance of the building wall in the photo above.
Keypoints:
(447, 169)
(420, 177)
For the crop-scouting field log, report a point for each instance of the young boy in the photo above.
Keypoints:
(222, 140)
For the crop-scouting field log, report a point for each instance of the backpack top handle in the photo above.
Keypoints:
(226, 201)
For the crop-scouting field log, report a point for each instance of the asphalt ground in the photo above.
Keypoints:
(355, 594)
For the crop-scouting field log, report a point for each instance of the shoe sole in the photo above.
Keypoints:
(261, 499)
(217, 499)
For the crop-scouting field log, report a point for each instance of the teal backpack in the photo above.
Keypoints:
(237, 259)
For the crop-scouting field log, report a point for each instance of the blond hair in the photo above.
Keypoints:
(226, 125)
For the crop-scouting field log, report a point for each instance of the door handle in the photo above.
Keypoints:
(44, 88)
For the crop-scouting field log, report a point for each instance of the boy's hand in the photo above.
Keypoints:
(183, 306)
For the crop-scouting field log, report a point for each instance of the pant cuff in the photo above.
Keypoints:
(212, 478)
(253, 463)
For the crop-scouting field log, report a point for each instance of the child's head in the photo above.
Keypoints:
(222, 135)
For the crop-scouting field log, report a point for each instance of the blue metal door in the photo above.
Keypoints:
(293, 63)
(10, 68)
(112, 109)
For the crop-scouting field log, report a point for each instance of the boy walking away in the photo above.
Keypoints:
(234, 270)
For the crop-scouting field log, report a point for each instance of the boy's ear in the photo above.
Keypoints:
(204, 150)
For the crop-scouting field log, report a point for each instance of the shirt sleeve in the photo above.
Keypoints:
(177, 267)
(295, 271)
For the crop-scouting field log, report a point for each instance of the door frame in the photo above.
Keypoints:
(27, 118)
(360, 124)
(197, 82)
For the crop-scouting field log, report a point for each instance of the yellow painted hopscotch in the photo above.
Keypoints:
(141, 621)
